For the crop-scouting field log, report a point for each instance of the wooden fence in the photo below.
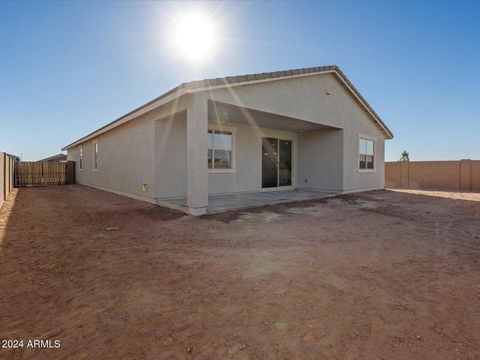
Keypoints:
(462, 175)
(6, 175)
(30, 173)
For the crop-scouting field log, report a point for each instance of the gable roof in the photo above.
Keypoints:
(58, 157)
(206, 84)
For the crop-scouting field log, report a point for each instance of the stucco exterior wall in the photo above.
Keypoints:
(320, 160)
(248, 160)
(171, 156)
(152, 150)
(126, 157)
(355, 179)
(125, 160)
(319, 99)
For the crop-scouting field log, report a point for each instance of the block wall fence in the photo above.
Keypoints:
(7, 165)
(462, 175)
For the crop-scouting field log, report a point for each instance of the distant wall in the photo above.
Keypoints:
(462, 175)
(6, 176)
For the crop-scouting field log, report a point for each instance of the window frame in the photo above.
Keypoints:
(233, 131)
(374, 141)
(80, 158)
(95, 155)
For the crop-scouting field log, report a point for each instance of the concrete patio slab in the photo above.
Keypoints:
(220, 203)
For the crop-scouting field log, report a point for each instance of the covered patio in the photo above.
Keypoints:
(220, 203)
(271, 159)
(301, 134)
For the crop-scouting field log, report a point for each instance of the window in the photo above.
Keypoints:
(366, 154)
(95, 155)
(80, 159)
(220, 153)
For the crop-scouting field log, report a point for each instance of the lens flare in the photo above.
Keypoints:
(194, 36)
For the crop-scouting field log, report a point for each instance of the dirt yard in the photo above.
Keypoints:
(380, 275)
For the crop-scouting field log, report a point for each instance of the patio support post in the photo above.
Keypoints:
(197, 147)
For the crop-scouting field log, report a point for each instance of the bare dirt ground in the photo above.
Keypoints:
(378, 275)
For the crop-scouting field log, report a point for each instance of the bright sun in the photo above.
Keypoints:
(194, 36)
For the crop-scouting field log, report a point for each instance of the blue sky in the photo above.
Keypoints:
(67, 68)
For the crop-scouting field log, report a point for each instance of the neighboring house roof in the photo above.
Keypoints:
(15, 157)
(202, 85)
(58, 157)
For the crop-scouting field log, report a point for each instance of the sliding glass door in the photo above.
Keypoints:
(285, 163)
(276, 162)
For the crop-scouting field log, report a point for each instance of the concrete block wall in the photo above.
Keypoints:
(2, 178)
(7, 164)
(462, 175)
(475, 175)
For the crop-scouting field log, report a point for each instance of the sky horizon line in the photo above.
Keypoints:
(70, 68)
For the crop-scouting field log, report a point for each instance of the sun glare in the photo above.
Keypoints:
(194, 37)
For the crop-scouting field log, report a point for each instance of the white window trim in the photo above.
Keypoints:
(80, 157)
(374, 139)
(233, 130)
(95, 144)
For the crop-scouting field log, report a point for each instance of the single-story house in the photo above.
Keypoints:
(54, 158)
(306, 129)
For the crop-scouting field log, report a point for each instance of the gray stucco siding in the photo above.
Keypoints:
(361, 126)
(171, 156)
(319, 99)
(153, 149)
(355, 179)
(126, 157)
(320, 160)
